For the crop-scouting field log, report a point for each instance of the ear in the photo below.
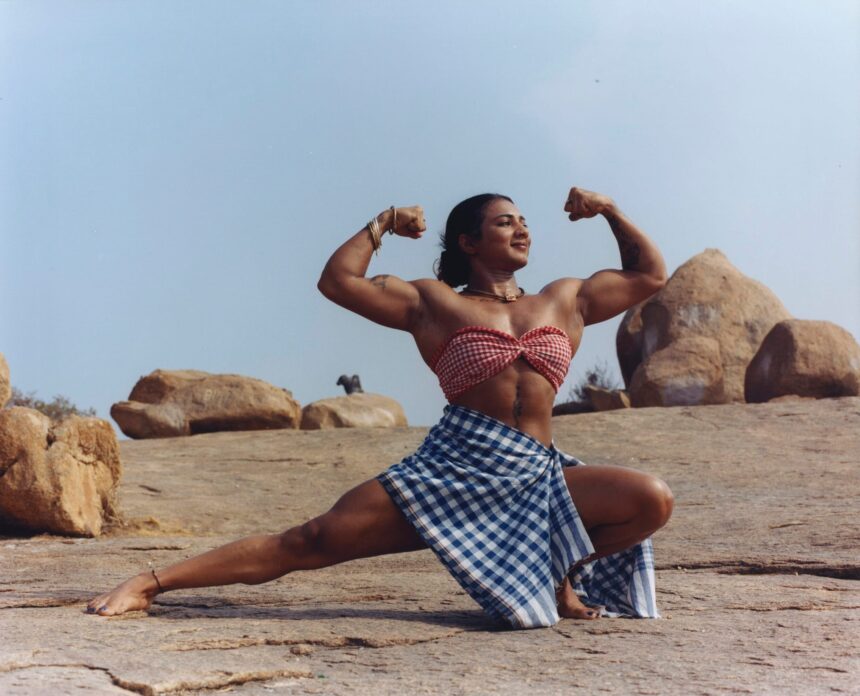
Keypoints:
(467, 244)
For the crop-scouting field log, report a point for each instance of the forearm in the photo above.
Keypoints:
(352, 258)
(638, 252)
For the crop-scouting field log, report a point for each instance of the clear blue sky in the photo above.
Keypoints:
(173, 176)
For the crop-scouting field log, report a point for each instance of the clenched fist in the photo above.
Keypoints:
(408, 222)
(586, 204)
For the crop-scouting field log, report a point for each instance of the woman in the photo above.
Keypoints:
(513, 519)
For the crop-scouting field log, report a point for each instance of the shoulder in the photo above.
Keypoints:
(564, 293)
(430, 287)
(562, 286)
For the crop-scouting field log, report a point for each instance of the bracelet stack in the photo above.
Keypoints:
(376, 231)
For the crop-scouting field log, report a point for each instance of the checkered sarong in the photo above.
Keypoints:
(493, 505)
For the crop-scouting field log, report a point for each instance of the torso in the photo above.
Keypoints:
(518, 395)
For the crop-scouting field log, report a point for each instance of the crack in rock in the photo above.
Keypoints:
(334, 642)
(47, 603)
(220, 680)
(789, 567)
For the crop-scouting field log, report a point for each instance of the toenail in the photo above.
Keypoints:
(91, 610)
(102, 608)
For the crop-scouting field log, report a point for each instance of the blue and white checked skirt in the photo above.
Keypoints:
(493, 505)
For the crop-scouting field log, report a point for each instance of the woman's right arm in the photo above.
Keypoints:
(385, 299)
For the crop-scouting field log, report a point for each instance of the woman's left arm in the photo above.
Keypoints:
(643, 271)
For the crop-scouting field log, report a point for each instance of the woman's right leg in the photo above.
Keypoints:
(364, 522)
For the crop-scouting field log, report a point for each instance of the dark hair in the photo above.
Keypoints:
(466, 217)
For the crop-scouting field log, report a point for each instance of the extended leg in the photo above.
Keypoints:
(364, 522)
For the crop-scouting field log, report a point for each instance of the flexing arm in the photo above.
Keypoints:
(385, 299)
(610, 291)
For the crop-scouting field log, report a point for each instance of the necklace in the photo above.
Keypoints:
(507, 297)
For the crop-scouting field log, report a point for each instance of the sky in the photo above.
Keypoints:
(173, 176)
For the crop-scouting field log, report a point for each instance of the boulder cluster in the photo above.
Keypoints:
(62, 477)
(712, 336)
(171, 403)
(55, 477)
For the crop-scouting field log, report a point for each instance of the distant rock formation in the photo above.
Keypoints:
(606, 399)
(706, 298)
(804, 358)
(5, 384)
(171, 403)
(59, 478)
(351, 385)
(353, 411)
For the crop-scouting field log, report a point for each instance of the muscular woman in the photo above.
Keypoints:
(526, 530)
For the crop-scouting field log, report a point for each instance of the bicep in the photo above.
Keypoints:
(609, 292)
(384, 299)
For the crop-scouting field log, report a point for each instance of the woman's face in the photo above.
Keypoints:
(505, 238)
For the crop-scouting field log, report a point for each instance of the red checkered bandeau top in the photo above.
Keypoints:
(473, 354)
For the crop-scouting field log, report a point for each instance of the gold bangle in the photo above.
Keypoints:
(375, 234)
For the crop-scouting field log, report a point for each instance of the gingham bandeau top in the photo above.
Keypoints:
(473, 354)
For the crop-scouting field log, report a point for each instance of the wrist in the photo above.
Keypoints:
(609, 210)
(386, 219)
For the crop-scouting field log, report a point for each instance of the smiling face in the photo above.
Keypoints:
(505, 239)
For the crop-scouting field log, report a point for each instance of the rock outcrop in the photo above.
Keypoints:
(358, 410)
(706, 297)
(5, 385)
(171, 403)
(687, 372)
(607, 399)
(58, 478)
(805, 358)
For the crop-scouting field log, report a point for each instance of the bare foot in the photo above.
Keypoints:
(570, 606)
(135, 594)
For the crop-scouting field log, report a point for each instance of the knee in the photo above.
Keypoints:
(305, 540)
(659, 503)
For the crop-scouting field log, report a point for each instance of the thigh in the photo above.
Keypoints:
(366, 522)
(611, 494)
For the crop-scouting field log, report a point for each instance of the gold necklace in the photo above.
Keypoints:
(507, 297)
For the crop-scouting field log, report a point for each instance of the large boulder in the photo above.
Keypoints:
(5, 385)
(358, 410)
(59, 478)
(805, 358)
(170, 403)
(688, 372)
(706, 297)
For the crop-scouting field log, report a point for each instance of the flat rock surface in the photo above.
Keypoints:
(757, 572)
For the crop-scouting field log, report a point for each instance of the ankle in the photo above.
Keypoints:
(151, 586)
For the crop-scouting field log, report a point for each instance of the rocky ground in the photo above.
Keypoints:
(757, 572)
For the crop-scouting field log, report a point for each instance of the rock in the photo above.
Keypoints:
(5, 386)
(628, 342)
(571, 408)
(706, 297)
(688, 372)
(357, 410)
(804, 358)
(170, 403)
(59, 478)
(607, 399)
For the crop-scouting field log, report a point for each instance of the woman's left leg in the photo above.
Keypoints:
(619, 507)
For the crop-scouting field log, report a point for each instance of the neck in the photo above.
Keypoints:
(497, 282)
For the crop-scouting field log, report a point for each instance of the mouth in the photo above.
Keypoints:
(521, 245)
